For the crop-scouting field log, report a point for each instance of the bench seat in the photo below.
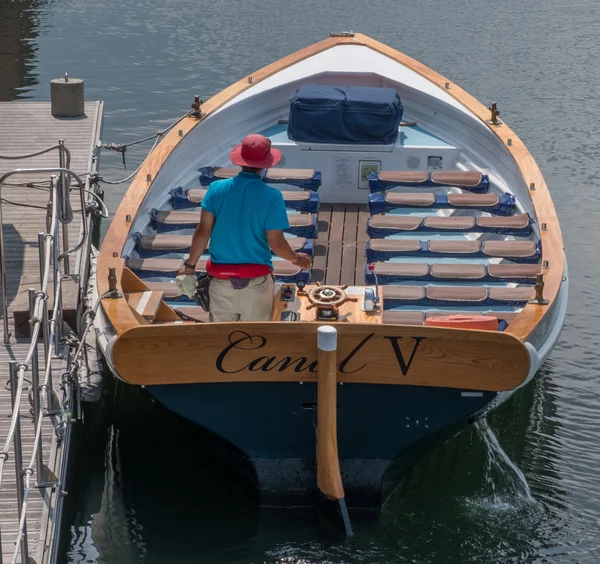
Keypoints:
(299, 200)
(390, 272)
(518, 251)
(305, 178)
(283, 270)
(394, 296)
(473, 181)
(301, 224)
(161, 244)
(493, 203)
(379, 226)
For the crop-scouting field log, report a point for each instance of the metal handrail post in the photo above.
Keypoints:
(66, 213)
(14, 383)
(66, 252)
(45, 325)
(57, 281)
(35, 384)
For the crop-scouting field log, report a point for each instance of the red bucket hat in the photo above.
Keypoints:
(256, 152)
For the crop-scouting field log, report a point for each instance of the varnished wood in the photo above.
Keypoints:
(350, 312)
(361, 244)
(322, 247)
(348, 271)
(336, 235)
(329, 478)
(180, 354)
(552, 244)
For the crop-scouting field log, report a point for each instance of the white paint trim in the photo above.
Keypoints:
(141, 305)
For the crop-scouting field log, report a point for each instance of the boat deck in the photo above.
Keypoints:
(341, 245)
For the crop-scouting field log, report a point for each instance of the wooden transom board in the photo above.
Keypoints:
(287, 352)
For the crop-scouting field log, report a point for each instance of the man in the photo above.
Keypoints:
(244, 219)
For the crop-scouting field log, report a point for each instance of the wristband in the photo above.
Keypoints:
(188, 265)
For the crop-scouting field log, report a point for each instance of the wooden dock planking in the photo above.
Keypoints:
(28, 127)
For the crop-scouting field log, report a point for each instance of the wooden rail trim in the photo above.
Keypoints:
(552, 243)
(286, 352)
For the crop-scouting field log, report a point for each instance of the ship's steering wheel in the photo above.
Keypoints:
(328, 297)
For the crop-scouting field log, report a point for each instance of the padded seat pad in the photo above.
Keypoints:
(510, 271)
(518, 294)
(521, 249)
(459, 178)
(473, 200)
(407, 176)
(400, 245)
(226, 171)
(289, 173)
(454, 247)
(391, 221)
(519, 221)
(457, 293)
(403, 317)
(454, 223)
(459, 271)
(424, 199)
(196, 195)
(407, 269)
(403, 292)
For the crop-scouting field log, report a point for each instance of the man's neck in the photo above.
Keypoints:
(256, 171)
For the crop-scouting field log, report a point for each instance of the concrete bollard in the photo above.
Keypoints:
(67, 97)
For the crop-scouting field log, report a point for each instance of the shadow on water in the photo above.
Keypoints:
(149, 486)
(20, 24)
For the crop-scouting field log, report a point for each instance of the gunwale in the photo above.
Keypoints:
(117, 309)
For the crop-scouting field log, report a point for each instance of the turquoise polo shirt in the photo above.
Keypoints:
(245, 208)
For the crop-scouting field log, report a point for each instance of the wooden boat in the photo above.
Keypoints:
(453, 217)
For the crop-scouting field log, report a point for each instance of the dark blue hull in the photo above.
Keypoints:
(381, 430)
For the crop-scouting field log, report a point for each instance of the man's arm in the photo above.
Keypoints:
(199, 241)
(282, 249)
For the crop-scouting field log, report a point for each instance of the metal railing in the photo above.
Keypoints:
(45, 403)
(56, 210)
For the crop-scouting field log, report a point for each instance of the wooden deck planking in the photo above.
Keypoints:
(321, 247)
(348, 270)
(336, 234)
(340, 247)
(28, 127)
(361, 245)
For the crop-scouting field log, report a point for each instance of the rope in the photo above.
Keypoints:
(30, 155)
(122, 148)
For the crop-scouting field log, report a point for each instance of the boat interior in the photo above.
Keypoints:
(437, 223)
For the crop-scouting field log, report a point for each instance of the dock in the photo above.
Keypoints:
(27, 128)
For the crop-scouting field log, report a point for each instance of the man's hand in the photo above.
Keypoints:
(303, 261)
(186, 270)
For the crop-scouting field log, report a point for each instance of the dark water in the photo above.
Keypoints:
(147, 488)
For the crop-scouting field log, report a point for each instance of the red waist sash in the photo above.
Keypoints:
(225, 271)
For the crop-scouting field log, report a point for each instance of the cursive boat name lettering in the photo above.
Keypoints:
(242, 341)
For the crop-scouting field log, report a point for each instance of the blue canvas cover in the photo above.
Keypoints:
(345, 114)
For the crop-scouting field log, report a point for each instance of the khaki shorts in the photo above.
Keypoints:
(252, 303)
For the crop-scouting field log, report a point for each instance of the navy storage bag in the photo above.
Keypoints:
(345, 114)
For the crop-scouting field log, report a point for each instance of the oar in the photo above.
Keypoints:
(332, 505)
